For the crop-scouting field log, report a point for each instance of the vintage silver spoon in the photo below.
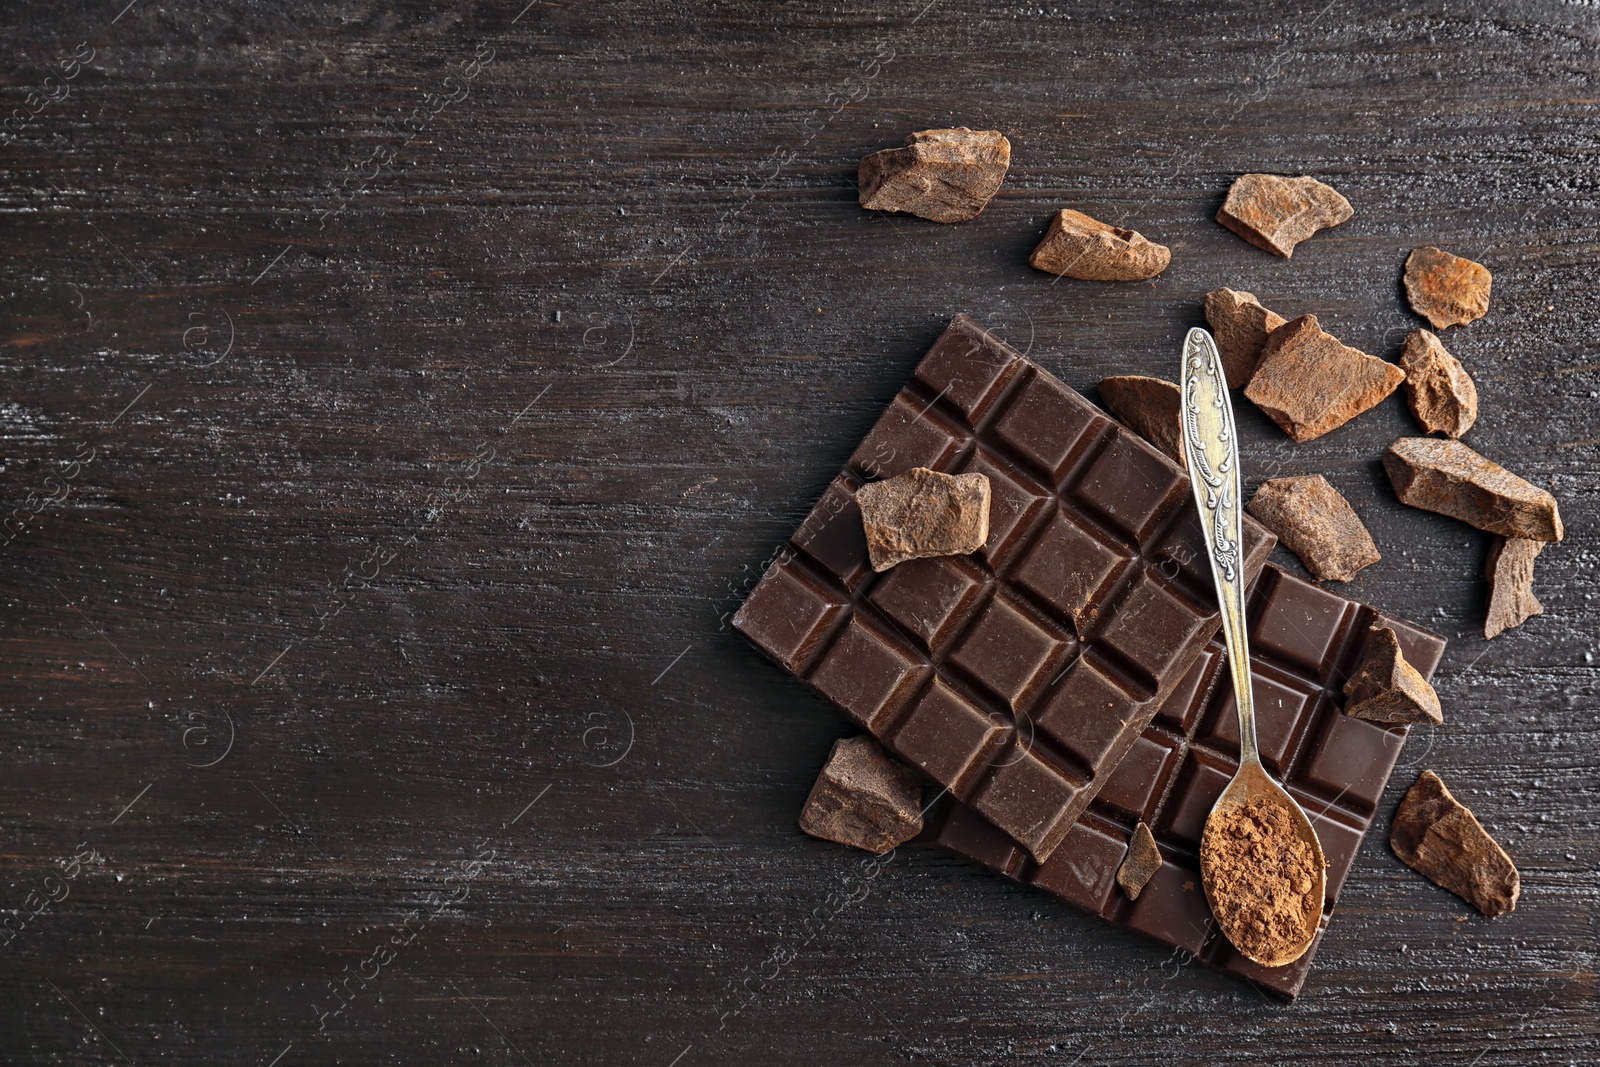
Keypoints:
(1212, 451)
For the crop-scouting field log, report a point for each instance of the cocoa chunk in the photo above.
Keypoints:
(1446, 290)
(1452, 479)
(1436, 836)
(1080, 247)
(1278, 213)
(1240, 325)
(1385, 688)
(1141, 863)
(1148, 407)
(1316, 523)
(1510, 574)
(924, 513)
(943, 175)
(1309, 383)
(863, 798)
(1439, 390)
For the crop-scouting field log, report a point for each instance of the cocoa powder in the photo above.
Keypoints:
(1259, 878)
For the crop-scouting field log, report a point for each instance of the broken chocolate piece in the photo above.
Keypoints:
(1141, 863)
(1450, 478)
(1439, 390)
(1510, 574)
(1081, 247)
(1446, 290)
(1240, 326)
(942, 175)
(1436, 836)
(1277, 213)
(924, 513)
(864, 798)
(1309, 383)
(1387, 689)
(1316, 523)
(1148, 407)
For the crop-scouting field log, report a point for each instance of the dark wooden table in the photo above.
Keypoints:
(399, 396)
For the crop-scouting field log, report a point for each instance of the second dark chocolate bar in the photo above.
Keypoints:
(1017, 677)
(1305, 641)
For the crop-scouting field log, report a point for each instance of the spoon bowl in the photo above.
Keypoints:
(1211, 453)
(1250, 781)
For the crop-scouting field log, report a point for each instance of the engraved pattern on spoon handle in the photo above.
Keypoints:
(1211, 448)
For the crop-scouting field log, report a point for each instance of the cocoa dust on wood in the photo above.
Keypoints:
(1259, 878)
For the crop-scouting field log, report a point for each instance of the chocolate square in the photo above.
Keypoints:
(787, 614)
(1136, 784)
(1156, 630)
(1013, 505)
(1047, 423)
(968, 367)
(868, 675)
(833, 536)
(1025, 791)
(1133, 486)
(1083, 867)
(1085, 711)
(1066, 568)
(909, 434)
(926, 597)
(1283, 708)
(1005, 651)
(1299, 625)
(948, 737)
(1172, 909)
(1353, 758)
(1180, 710)
(1205, 775)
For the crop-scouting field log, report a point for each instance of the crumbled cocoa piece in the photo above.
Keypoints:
(1316, 523)
(1309, 383)
(1439, 390)
(1080, 247)
(1510, 574)
(942, 175)
(1261, 879)
(924, 513)
(864, 798)
(1141, 863)
(1277, 213)
(1446, 290)
(1148, 407)
(1451, 479)
(1385, 688)
(1240, 325)
(1436, 836)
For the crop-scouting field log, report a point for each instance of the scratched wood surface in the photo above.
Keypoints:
(399, 396)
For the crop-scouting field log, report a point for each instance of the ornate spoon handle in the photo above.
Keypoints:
(1212, 450)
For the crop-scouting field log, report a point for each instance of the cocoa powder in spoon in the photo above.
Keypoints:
(1259, 877)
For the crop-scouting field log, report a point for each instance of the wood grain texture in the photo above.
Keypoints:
(455, 524)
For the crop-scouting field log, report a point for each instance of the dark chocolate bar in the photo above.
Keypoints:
(1304, 642)
(1018, 676)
